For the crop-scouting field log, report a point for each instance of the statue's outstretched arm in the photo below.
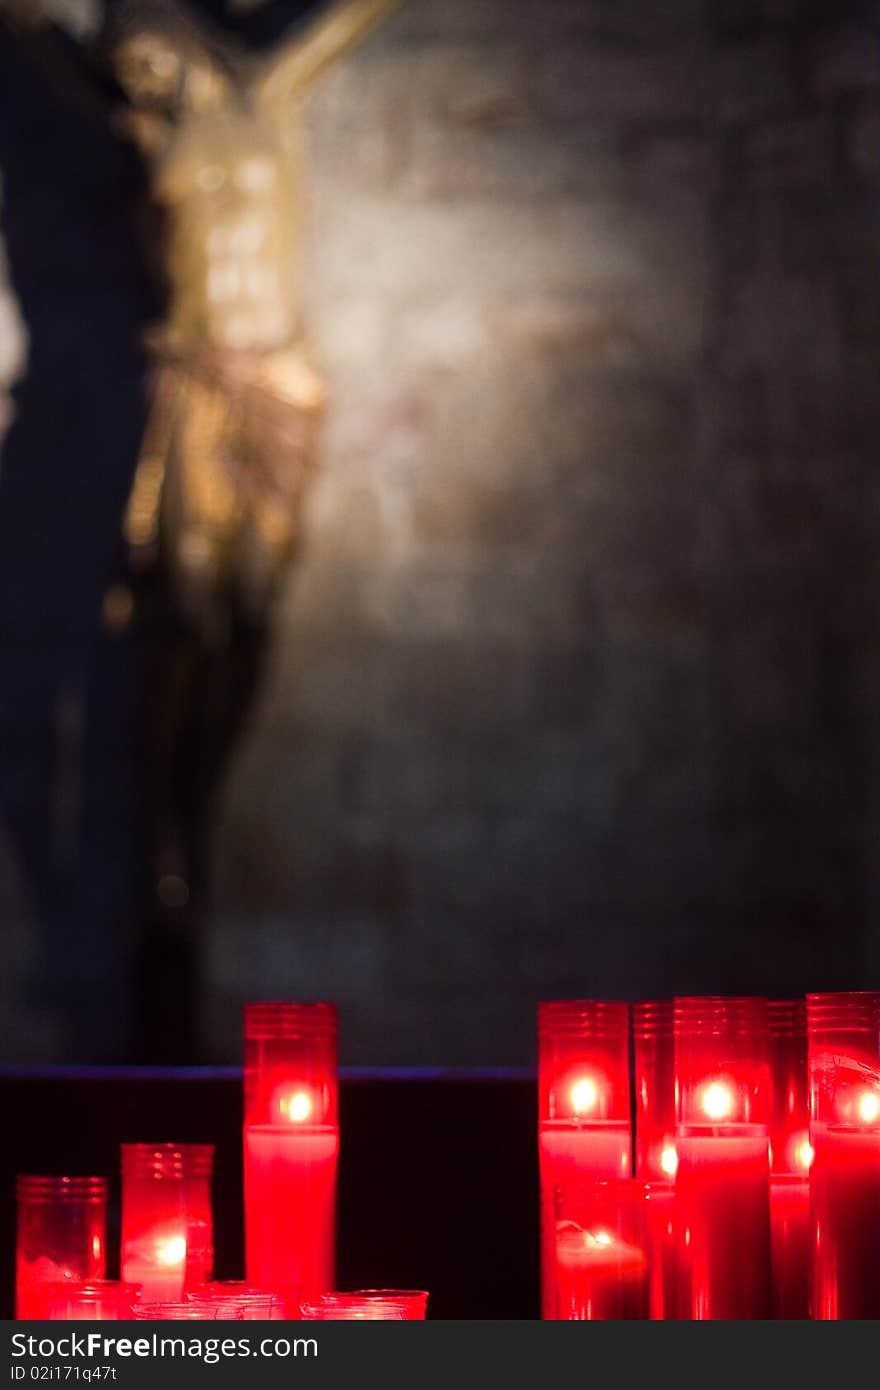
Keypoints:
(288, 74)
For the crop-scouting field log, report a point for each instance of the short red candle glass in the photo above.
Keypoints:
(790, 1148)
(91, 1300)
(602, 1251)
(167, 1225)
(844, 1061)
(351, 1307)
(291, 1146)
(723, 1102)
(654, 1059)
(61, 1235)
(584, 1119)
(256, 1305)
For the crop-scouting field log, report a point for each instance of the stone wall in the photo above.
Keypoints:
(576, 685)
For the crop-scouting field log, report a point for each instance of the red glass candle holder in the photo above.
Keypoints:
(654, 1060)
(790, 1244)
(257, 1305)
(90, 1300)
(351, 1307)
(584, 1118)
(844, 1062)
(662, 1251)
(790, 1147)
(413, 1303)
(602, 1251)
(291, 1146)
(723, 1102)
(61, 1235)
(167, 1225)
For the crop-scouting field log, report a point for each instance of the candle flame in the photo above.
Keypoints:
(297, 1107)
(171, 1251)
(869, 1107)
(669, 1160)
(717, 1100)
(584, 1095)
(599, 1237)
(804, 1155)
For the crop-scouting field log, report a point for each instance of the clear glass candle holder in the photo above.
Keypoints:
(844, 1062)
(91, 1300)
(351, 1307)
(602, 1251)
(291, 1146)
(167, 1223)
(182, 1310)
(257, 1305)
(413, 1303)
(61, 1234)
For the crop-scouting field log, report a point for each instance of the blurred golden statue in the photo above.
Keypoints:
(229, 449)
(228, 452)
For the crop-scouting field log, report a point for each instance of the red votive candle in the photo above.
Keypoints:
(584, 1123)
(844, 1059)
(723, 1098)
(602, 1251)
(90, 1300)
(790, 1244)
(790, 1147)
(167, 1227)
(654, 1058)
(61, 1235)
(291, 1146)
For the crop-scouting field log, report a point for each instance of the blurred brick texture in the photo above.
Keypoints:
(576, 690)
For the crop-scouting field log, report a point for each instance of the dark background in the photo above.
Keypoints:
(575, 687)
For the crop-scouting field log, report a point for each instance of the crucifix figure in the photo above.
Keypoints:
(215, 509)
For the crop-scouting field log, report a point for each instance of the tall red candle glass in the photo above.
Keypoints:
(602, 1251)
(723, 1099)
(654, 1059)
(844, 1060)
(61, 1235)
(584, 1120)
(790, 1147)
(291, 1146)
(167, 1226)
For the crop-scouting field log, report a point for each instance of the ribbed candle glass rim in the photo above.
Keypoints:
(167, 1160)
(720, 1015)
(653, 1018)
(583, 1018)
(41, 1187)
(268, 1019)
(844, 1010)
(787, 1018)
